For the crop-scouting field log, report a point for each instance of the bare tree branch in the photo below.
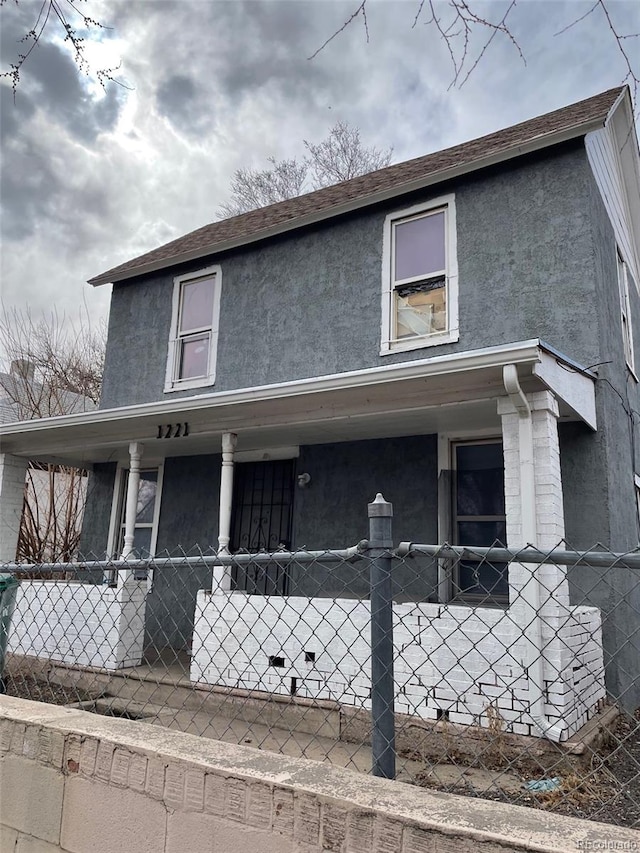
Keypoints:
(253, 188)
(342, 156)
(71, 20)
(632, 77)
(55, 368)
(458, 21)
(361, 10)
(337, 158)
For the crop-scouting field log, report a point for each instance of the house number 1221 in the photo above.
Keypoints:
(173, 430)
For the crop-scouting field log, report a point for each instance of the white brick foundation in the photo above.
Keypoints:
(80, 623)
(450, 659)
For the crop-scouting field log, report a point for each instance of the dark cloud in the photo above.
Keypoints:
(184, 103)
(53, 79)
(50, 79)
(42, 185)
(28, 183)
(222, 84)
(17, 20)
(234, 51)
(14, 113)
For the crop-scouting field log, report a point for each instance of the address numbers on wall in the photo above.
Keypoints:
(173, 430)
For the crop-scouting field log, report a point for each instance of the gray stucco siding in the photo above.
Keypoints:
(97, 514)
(330, 513)
(308, 304)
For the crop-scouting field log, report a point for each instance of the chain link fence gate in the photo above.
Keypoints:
(509, 675)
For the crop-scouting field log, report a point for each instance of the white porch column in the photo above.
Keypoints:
(131, 505)
(547, 522)
(221, 581)
(229, 441)
(12, 482)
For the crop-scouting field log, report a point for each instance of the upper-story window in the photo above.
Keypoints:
(191, 361)
(420, 277)
(624, 275)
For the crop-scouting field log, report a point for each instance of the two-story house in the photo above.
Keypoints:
(462, 322)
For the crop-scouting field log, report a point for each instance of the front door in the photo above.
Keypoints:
(479, 517)
(261, 520)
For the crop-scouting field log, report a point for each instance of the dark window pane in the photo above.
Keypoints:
(420, 246)
(142, 542)
(197, 304)
(483, 579)
(194, 360)
(479, 480)
(146, 497)
(481, 533)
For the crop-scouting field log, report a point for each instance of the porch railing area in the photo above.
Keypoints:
(488, 671)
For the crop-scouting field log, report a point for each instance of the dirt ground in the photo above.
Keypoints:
(606, 788)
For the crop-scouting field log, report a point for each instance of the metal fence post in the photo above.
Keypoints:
(382, 683)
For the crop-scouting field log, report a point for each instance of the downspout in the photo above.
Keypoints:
(530, 596)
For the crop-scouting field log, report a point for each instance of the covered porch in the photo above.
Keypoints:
(167, 477)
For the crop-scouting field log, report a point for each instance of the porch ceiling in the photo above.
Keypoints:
(441, 394)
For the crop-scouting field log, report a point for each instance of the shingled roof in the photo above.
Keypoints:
(551, 128)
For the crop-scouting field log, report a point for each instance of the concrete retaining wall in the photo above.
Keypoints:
(80, 623)
(73, 782)
(450, 660)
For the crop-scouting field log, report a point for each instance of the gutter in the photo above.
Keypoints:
(536, 144)
(522, 352)
(531, 594)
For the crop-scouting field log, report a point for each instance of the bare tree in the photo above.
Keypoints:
(342, 156)
(337, 158)
(55, 368)
(468, 30)
(70, 20)
(252, 188)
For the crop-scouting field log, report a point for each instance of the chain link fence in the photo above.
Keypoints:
(508, 675)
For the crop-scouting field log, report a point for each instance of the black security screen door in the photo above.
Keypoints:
(261, 520)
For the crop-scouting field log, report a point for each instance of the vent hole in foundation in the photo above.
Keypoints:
(294, 686)
(275, 660)
(309, 657)
(442, 715)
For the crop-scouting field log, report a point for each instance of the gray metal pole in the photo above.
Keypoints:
(383, 747)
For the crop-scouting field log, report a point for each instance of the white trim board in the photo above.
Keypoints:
(456, 377)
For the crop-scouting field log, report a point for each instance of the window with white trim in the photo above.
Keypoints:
(420, 277)
(191, 360)
(624, 275)
(147, 515)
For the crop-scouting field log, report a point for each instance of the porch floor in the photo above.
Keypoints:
(160, 693)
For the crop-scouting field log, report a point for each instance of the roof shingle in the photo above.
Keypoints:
(249, 226)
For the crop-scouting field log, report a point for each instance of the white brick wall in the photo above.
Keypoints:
(549, 504)
(80, 623)
(448, 658)
(12, 476)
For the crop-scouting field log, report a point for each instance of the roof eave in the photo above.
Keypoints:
(531, 146)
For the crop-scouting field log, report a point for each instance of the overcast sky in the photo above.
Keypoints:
(91, 178)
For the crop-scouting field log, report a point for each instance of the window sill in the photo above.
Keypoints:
(389, 347)
(496, 602)
(189, 384)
